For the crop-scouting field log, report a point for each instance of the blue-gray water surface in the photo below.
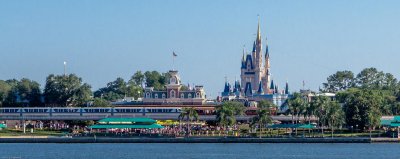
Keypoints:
(206, 151)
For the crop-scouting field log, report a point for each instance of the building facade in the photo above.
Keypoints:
(173, 93)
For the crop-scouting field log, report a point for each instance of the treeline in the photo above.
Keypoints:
(360, 101)
(69, 90)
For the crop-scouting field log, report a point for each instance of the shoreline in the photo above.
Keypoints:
(192, 140)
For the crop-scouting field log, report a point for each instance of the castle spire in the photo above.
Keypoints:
(254, 46)
(258, 31)
(243, 57)
(266, 49)
(287, 88)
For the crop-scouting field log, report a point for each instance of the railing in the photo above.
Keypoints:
(148, 115)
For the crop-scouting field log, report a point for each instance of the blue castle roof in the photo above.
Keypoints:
(260, 89)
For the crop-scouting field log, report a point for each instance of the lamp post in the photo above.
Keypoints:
(352, 130)
(356, 128)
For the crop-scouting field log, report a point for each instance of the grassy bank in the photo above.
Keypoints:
(36, 132)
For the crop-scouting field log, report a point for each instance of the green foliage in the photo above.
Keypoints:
(137, 78)
(339, 81)
(227, 111)
(363, 108)
(319, 106)
(189, 114)
(20, 93)
(156, 80)
(266, 104)
(114, 90)
(297, 105)
(184, 88)
(99, 102)
(334, 114)
(118, 88)
(263, 116)
(4, 89)
(368, 78)
(66, 91)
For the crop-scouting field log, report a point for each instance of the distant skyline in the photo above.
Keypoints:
(102, 40)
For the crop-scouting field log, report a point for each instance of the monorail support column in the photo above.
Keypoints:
(24, 126)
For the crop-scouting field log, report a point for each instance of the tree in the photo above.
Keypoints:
(339, 81)
(99, 102)
(83, 95)
(297, 106)
(190, 114)
(137, 78)
(334, 115)
(266, 104)
(370, 78)
(156, 80)
(66, 90)
(263, 116)
(22, 93)
(320, 106)
(226, 112)
(4, 89)
(114, 90)
(134, 91)
(362, 108)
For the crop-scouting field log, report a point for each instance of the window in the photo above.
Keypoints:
(156, 96)
(173, 80)
(163, 95)
(190, 95)
(172, 94)
(182, 95)
(198, 95)
(147, 95)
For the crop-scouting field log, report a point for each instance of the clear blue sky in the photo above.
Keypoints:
(103, 40)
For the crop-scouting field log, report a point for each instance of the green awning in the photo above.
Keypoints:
(396, 118)
(386, 122)
(394, 124)
(2, 126)
(282, 126)
(145, 121)
(124, 126)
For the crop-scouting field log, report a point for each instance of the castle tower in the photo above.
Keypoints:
(254, 73)
(267, 74)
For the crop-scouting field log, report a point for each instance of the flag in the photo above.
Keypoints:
(174, 54)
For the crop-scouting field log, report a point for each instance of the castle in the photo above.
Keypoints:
(255, 75)
(256, 82)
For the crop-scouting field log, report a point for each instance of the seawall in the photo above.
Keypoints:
(186, 140)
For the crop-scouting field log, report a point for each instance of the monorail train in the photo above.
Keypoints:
(113, 111)
(109, 111)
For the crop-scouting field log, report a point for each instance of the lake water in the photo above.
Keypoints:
(206, 151)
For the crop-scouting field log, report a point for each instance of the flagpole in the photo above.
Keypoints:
(65, 68)
(173, 61)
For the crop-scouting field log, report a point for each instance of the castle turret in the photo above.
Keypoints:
(260, 89)
(287, 88)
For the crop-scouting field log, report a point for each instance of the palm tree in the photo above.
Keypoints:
(190, 114)
(262, 118)
(320, 106)
(297, 107)
(226, 113)
(334, 115)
